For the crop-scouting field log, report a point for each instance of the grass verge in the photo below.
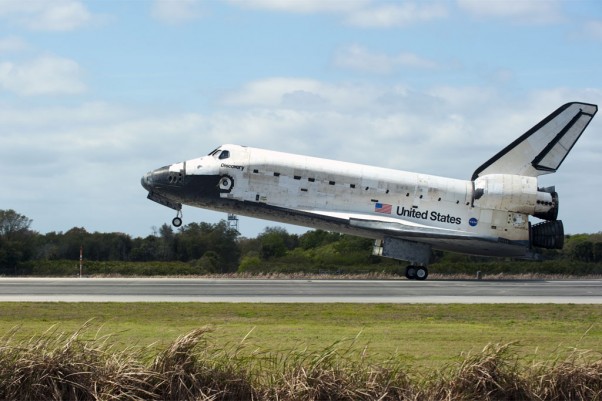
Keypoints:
(423, 335)
(56, 366)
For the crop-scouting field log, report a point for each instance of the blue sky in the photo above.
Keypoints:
(95, 93)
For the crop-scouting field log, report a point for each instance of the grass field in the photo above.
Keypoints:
(425, 336)
(295, 352)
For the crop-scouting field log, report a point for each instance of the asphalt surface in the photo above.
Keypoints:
(281, 291)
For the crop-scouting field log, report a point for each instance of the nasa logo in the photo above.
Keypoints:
(473, 222)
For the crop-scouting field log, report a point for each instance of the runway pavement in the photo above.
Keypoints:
(282, 291)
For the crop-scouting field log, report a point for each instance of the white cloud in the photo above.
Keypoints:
(11, 44)
(304, 6)
(309, 94)
(34, 119)
(176, 11)
(593, 30)
(270, 92)
(46, 75)
(362, 13)
(396, 15)
(56, 15)
(522, 11)
(356, 57)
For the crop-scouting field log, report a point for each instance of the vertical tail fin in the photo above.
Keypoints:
(543, 148)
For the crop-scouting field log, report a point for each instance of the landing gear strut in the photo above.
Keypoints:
(416, 272)
(177, 221)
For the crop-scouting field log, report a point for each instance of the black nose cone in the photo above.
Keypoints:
(147, 180)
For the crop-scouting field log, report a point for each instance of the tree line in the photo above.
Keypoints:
(218, 248)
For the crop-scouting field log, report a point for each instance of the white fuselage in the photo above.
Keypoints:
(323, 193)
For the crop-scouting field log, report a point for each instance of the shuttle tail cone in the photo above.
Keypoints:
(547, 209)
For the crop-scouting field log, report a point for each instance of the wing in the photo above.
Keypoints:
(438, 238)
(381, 226)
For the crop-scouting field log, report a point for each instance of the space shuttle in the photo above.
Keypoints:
(407, 214)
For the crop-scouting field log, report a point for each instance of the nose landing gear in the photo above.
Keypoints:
(177, 221)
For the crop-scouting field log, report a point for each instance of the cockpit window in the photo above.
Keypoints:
(220, 154)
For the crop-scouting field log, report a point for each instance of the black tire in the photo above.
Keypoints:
(177, 222)
(421, 273)
(411, 272)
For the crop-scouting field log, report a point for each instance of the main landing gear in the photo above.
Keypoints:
(417, 272)
(417, 253)
(177, 221)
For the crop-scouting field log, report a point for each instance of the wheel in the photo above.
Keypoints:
(422, 273)
(411, 272)
(177, 222)
(226, 183)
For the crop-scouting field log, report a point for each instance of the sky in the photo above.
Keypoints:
(93, 94)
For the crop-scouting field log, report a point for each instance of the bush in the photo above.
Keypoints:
(70, 268)
(250, 264)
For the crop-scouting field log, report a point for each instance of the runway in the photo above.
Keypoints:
(287, 291)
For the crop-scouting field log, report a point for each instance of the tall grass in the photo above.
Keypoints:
(86, 366)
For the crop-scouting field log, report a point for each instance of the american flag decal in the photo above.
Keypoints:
(382, 208)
